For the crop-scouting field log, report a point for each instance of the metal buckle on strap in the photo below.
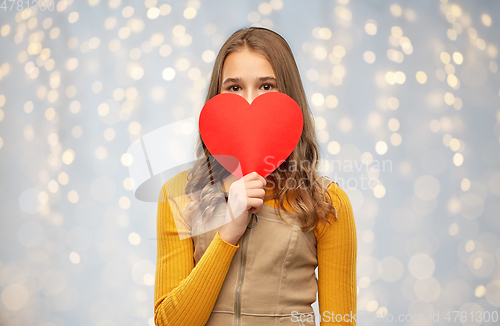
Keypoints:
(256, 217)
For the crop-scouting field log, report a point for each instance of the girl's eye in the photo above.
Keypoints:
(270, 87)
(235, 88)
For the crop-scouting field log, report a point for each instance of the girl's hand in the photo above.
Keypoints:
(246, 196)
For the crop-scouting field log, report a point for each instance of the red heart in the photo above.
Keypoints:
(245, 138)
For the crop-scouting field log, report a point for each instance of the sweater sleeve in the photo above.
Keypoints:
(337, 255)
(185, 294)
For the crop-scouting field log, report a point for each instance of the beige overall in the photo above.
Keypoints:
(272, 273)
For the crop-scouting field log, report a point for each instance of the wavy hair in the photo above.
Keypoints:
(307, 198)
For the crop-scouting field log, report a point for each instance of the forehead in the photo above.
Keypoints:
(245, 62)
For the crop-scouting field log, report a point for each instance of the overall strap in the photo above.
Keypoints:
(325, 181)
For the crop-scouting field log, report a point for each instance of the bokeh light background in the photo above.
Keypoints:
(405, 94)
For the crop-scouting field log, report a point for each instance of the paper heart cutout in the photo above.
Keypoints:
(244, 138)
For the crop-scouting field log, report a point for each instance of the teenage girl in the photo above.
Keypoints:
(254, 61)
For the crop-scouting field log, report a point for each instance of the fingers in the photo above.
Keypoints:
(248, 194)
(256, 193)
(255, 176)
(259, 177)
(255, 203)
(253, 184)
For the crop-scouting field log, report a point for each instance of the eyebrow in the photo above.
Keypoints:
(235, 80)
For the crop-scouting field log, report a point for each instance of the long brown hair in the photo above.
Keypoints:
(308, 198)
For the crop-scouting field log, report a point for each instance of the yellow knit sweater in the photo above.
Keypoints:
(185, 295)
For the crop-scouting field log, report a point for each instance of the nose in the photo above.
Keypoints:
(250, 95)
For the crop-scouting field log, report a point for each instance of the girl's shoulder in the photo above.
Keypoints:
(174, 187)
(325, 181)
(340, 201)
(172, 192)
(333, 189)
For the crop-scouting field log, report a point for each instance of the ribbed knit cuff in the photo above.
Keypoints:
(225, 243)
